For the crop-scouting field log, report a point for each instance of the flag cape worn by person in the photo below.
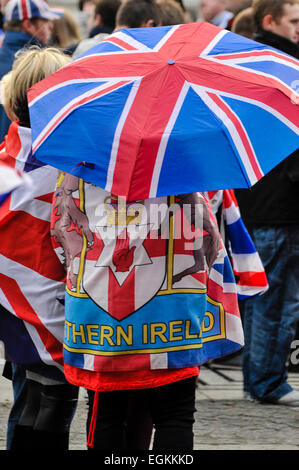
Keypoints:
(31, 276)
(247, 266)
(139, 293)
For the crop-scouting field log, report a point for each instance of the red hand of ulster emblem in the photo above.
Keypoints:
(123, 255)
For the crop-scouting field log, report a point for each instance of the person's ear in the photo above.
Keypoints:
(268, 22)
(98, 19)
(28, 26)
(148, 24)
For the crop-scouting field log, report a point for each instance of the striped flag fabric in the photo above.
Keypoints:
(247, 266)
(10, 179)
(31, 275)
(176, 109)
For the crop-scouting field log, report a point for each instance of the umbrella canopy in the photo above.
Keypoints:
(158, 111)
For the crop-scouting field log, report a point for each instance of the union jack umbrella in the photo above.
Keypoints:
(158, 111)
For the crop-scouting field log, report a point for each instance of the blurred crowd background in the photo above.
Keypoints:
(86, 18)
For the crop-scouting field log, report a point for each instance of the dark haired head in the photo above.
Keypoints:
(107, 9)
(135, 13)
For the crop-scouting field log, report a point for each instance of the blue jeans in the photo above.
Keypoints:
(270, 319)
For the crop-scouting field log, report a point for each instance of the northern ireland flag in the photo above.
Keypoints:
(149, 284)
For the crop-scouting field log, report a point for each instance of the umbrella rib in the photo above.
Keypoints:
(250, 169)
(141, 132)
(236, 80)
(163, 142)
(246, 76)
(255, 102)
(69, 108)
(158, 163)
(117, 135)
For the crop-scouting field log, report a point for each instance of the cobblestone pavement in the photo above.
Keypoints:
(224, 420)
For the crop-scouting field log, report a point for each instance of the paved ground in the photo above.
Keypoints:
(224, 420)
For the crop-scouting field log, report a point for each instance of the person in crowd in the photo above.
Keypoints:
(187, 14)
(21, 29)
(165, 384)
(172, 13)
(277, 24)
(243, 23)
(86, 44)
(133, 13)
(138, 14)
(89, 42)
(236, 7)
(66, 32)
(32, 311)
(269, 210)
(214, 11)
(26, 23)
(4, 96)
(130, 14)
(86, 16)
(104, 17)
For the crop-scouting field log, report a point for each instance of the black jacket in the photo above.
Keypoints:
(274, 200)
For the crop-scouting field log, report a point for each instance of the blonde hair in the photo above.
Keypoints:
(5, 87)
(171, 12)
(31, 66)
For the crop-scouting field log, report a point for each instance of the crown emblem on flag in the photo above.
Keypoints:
(122, 215)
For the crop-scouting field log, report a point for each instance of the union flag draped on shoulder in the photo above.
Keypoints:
(31, 276)
(247, 266)
(10, 179)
